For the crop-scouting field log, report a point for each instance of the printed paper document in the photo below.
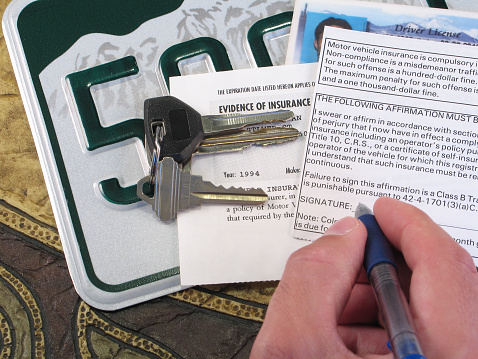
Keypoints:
(392, 117)
(219, 243)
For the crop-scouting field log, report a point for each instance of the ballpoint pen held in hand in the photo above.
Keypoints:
(382, 274)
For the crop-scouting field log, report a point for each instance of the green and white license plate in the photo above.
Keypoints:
(84, 69)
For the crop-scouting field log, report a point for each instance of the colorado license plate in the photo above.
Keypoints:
(84, 70)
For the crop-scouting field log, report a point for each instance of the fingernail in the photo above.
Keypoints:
(342, 226)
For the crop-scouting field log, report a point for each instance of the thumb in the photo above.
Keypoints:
(331, 265)
(302, 317)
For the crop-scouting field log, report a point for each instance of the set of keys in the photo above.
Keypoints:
(175, 132)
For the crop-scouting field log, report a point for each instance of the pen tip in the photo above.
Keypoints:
(362, 209)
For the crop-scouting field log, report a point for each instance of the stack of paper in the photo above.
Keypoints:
(389, 116)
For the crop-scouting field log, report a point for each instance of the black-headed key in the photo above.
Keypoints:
(185, 129)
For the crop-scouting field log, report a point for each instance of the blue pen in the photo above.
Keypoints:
(382, 274)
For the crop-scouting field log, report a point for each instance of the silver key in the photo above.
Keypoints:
(244, 139)
(185, 128)
(175, 190)
(214, 124)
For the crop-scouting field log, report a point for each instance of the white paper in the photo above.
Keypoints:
(392, 117)
(220, 243)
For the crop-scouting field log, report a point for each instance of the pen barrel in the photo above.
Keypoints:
(395, 311)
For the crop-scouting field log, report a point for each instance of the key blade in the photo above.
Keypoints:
(245, 139)
(205, 192)
(232, 122)
(239, 198)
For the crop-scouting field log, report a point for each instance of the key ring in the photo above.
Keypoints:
(159, 132)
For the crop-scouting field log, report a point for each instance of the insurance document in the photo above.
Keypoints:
(222, 243)
(392, 117)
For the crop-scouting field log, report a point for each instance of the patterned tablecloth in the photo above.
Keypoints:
(41, 315)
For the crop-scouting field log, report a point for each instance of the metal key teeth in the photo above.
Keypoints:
(204, 191)
(241, 140)
(235, 121)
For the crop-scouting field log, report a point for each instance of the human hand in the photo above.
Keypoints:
(325, 308)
